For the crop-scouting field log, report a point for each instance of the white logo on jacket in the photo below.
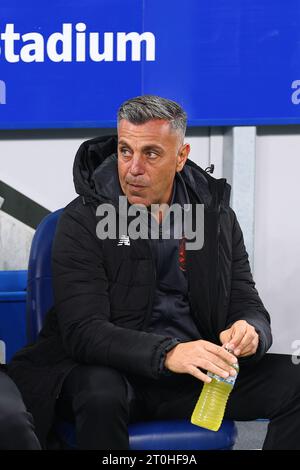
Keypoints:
(124, 240)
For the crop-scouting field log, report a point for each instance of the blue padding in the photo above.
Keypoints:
(13, 297)
(66, 433)
(180, 435)
(40, 292)
(165, 435)
(13, 281)
(13, 310)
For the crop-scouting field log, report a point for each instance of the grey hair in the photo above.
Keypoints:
(144, 108)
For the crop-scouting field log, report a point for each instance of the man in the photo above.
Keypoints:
(138, 322)
(16, 424)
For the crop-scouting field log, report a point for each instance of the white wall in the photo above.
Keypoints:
(40, 168)
(277, 230)
(15, 243)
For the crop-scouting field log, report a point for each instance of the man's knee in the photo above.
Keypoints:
(107, 393)
(286, 369)
(284, 373)
(102, 402)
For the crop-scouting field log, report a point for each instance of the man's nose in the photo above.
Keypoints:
(137, 165)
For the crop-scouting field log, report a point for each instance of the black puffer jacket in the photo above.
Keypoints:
(104, 292)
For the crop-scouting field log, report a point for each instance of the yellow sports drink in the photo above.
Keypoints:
(210, 408)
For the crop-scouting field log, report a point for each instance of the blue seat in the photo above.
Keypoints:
(13, 334)
(152, 435)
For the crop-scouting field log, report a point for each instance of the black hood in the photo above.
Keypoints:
(96, 178)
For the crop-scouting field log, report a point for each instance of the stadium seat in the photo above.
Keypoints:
(152, 435)
(13, 334)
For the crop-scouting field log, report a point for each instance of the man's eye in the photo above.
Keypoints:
(151, 155)
(125, 152)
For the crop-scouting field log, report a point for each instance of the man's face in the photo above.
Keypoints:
(148, 157)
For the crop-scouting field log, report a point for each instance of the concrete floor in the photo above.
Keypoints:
(251, 434)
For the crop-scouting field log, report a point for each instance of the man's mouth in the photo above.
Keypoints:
(137, 186)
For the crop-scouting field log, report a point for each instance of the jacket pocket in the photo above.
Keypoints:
(128, 297)
(134, 272)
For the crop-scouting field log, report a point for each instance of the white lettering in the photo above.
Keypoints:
(136, 40)
(2, 92)
(296, 95)
(33, 52)
(75, 43)
(80, 42)
(9, 37)
(65, 39)
(114, 460)
(296, 354)
(2, 352)
(108, 52)
(106, 227)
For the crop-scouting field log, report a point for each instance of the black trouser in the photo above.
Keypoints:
(102, 401)
(16, 424)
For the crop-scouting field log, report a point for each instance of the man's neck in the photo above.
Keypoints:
(160, 214)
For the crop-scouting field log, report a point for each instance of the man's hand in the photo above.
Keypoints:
(187, 358)
(241, 338)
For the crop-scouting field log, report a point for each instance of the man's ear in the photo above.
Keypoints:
(182, 156)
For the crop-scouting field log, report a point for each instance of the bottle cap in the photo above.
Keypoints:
(226, 346)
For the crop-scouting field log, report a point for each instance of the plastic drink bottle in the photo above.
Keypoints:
(210, 408)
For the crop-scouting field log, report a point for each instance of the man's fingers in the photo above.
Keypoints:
(212, 367)
(238, 335)
(218, 362)
(250, 349)
(225, 336)
(248, 342)
(220, 352)
(243, 340)
(245, 343)
(248, 352)
(195, 372)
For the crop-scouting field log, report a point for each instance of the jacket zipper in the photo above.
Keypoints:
(218, 240)
(218, 276)
(151, 300)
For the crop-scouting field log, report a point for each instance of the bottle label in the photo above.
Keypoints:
(230, 380)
